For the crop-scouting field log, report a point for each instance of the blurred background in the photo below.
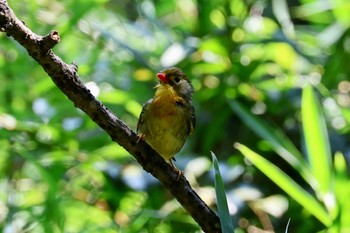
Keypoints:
(249, 62)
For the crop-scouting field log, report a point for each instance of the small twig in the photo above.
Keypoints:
(66, 78)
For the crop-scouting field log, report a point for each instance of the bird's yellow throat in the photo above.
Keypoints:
(165, 93)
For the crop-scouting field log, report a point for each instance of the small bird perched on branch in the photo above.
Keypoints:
(168, 118)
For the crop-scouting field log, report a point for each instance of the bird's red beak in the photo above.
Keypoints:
(162, 77)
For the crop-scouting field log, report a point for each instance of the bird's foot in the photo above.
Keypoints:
(177, 171)
(140, 137)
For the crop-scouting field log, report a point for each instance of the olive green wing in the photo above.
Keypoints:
(192, 121)
(142, 114)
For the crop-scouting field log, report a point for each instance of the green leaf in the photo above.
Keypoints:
(224, 214)
(286, 183)
(276, 138)
(342, 188)
(316, 140)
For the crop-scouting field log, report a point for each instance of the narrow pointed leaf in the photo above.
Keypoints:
(276, 137)
(316, 140)
(224, 214)
(286, 183)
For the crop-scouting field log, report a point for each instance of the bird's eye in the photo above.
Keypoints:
(177, 79)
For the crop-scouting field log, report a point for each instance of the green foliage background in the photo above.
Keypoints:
(249, 61)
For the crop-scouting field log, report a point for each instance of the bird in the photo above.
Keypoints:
(169, 117)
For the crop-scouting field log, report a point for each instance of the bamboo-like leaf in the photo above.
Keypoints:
(277, 139)
(224, 214)
(286, 183)
(342, 187)
(316, 140)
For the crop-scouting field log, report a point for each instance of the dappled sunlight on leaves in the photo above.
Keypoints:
(248, 62)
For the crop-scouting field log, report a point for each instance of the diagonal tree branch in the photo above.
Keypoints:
(66, 78)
